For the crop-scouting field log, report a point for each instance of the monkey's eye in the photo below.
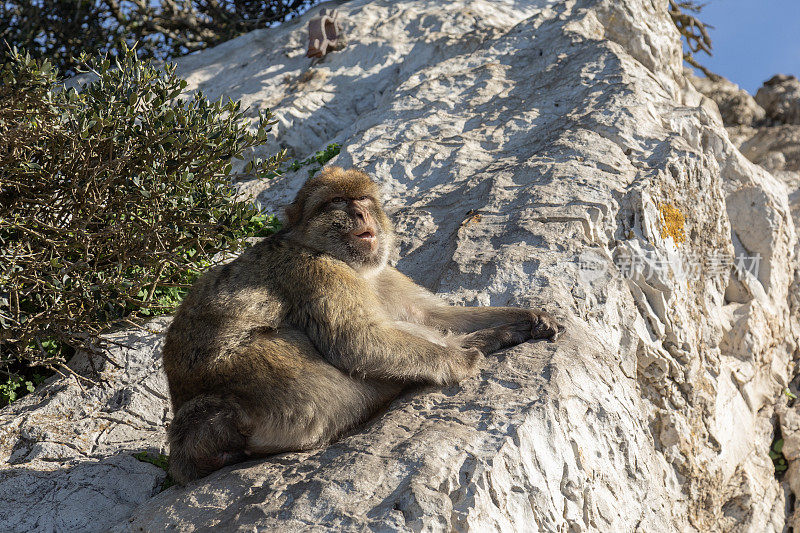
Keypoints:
(363, 198)
(338, 200)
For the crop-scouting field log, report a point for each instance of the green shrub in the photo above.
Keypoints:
(113, 198)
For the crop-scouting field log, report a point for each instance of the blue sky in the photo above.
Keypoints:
(752, 39)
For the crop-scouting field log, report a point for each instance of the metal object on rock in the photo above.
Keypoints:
(324, 33)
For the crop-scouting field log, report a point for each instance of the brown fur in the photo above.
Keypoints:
(309, 332)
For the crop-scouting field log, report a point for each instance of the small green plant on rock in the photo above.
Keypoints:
(16, 386)
(314, 162)
(778, 459)
(161, 461)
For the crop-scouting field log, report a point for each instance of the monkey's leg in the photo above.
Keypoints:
(318, 419)
(490, 340)
(297, 400)
(205, 435)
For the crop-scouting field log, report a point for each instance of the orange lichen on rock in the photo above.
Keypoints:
(672, 222)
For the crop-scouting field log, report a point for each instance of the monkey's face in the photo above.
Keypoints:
(338, 213)
(352, 229)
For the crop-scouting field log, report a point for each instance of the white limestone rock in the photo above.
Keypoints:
(774, 142)
(67, 450)
(780, 98)
(736, 106)
(532, 153)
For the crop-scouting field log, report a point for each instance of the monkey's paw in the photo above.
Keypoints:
(545, 326)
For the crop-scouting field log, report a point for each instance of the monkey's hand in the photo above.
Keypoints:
(545, 326)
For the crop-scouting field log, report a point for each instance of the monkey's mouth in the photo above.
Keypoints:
(366, 237)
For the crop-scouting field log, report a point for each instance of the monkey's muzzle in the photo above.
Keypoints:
(365, 238)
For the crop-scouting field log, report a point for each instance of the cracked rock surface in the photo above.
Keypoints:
(774, 143)
(67, 450)
(543, 154)
(780, 98)
(736, 106)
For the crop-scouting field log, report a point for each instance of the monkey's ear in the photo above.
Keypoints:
(293, 214)
(331, 170)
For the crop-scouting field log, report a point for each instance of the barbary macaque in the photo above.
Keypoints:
(310, 331)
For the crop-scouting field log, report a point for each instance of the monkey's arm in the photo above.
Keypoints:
(346, 322)
(421, 306)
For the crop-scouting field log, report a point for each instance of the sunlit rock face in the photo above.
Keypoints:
(780, 98)
(736, 106)
(543, 154)
(773, 141)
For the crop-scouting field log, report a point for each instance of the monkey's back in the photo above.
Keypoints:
(228, 308)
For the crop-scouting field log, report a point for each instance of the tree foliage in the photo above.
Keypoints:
(60, 30)
(112, 199)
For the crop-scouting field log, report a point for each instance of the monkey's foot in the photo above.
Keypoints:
(228, 458)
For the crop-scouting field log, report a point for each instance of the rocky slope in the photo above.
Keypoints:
(531, 153)
(767, 131)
